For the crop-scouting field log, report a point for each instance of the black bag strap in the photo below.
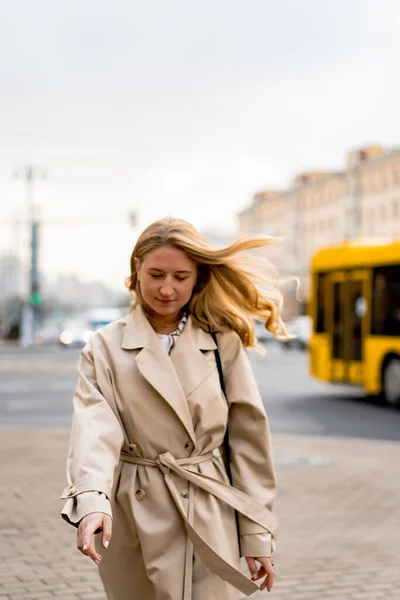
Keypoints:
(227, 451)
(219, 363)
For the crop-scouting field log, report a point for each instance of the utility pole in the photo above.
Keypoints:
(31, 309)
(31, 315)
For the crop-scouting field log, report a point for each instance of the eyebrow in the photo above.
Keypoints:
(161, 270)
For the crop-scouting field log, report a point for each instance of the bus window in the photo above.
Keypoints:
(357, 311)
(386, 301)
(338, 320)
(320, 321)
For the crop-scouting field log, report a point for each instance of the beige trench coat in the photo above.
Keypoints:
(145, 439)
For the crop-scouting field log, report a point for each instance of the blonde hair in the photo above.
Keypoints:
(232, 288)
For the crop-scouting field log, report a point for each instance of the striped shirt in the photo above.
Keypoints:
(169, 341)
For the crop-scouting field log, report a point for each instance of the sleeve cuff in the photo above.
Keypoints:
(87, 485)
(83, 504)
(257, 544)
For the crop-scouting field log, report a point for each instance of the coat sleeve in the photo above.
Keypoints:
(94, 449)
(250, 444)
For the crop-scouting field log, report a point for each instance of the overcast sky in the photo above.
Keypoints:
(181, 107)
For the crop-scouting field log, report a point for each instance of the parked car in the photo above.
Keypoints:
(263, 335)
(301, 328)
(75, 334)
(48, 334)
(77, 331)
(98, 317)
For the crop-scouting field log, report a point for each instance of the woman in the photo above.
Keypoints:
(145, 459)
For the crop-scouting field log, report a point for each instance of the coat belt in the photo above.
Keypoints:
(241, 502)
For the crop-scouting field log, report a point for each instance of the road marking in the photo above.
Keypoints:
(62, 386)
(34, 366)
(15, 387)
(27, 404)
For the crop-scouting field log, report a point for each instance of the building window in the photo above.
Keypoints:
(362, 185)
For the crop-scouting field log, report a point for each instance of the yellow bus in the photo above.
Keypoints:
(355, 307)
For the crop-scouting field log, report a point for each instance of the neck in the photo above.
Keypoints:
(164, 324)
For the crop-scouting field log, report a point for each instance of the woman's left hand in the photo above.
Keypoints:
(266, 568)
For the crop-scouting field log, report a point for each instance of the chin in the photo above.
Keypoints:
(166, 310)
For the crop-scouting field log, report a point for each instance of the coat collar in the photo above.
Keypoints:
(139, 333)
(175, 376)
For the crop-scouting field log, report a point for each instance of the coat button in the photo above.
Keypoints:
(135, 449)
(189, 446)
(140, 494)
(185, 493)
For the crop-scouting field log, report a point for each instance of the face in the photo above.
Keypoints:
(167, 277)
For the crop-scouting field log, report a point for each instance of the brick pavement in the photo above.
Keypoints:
(339, 507)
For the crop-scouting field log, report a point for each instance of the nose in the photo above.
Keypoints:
(166, 288)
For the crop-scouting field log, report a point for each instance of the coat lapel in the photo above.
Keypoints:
(156, 366)
(190, 363)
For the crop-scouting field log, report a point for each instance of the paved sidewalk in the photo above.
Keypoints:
(339, 507)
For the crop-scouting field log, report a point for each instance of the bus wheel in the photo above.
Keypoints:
(391, 382)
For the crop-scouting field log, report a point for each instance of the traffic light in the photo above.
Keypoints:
(36, 299)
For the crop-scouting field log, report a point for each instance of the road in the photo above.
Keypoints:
(36, 387)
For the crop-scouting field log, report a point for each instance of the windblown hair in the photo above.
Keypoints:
(233, 287)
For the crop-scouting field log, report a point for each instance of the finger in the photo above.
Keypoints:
(90, 551)
(269, 580)
(107, 528)
(84, 544)
(251, 563)
(84, 537)
(261, 572)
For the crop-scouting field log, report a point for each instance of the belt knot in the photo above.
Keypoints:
(163, 462)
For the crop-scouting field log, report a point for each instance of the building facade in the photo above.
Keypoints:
(319, 209)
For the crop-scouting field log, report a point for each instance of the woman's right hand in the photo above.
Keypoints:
(87, 526)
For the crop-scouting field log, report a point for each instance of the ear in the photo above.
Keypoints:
(137, 266)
